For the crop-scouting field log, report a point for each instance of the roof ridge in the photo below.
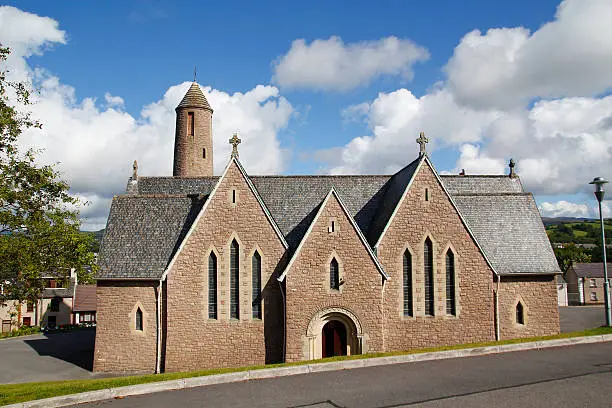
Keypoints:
(526, 193)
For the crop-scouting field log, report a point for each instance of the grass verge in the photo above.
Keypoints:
(14, 393)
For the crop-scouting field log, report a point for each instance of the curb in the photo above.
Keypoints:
(171, 385)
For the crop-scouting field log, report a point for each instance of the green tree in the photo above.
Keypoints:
(39, 224)
(570, 254)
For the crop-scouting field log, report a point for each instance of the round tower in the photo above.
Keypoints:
(193, 153)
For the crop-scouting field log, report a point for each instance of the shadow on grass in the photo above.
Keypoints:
(75, 347)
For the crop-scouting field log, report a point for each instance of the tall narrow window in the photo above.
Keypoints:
(139, 319)
(426, 194)
(520, 313)
(54, 304)
(256, 282)
(234, 281)
(190, 123)
(407, 284)
(450, 283)
(204, 153)
(212, 286)
(334, 275)
(429, 278)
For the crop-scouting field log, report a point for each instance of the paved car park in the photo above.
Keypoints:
(47, 357)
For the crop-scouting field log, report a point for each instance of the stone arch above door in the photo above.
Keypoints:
(356, 341)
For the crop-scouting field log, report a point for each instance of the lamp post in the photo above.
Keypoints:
(599, 193)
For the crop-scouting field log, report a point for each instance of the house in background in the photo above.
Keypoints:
(561, 290)
(585, 283)
(62, 301)
(84, 305)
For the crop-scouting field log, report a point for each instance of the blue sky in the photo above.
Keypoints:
(481, 98)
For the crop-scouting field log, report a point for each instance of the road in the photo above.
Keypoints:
(559, 377)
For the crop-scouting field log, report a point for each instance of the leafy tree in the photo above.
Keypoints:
(570, 254)
(39, 225)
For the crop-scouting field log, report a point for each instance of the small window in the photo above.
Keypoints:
(256, 285)
(139, 319)
(429, 277)
(234, 280)
(520, 313)
(204, 153)
(334, 275)
(450, 283)
(594, 296)
(27, 321)
(592, 283)
(190, 123)
(233, 196)
(30, 307)
(212, 286)
(54, 305)
(407, 281)
(332, 226)
(426, 194)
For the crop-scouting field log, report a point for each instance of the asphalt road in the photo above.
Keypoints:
(559, 377)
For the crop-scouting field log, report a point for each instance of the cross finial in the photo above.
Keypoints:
(422, 141)
(195, 73)
(135, 170)
(235, 141)
(511, 165)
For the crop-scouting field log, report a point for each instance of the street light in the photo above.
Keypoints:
(599, 193)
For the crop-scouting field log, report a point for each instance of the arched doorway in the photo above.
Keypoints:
(333, 339)
(334, 331)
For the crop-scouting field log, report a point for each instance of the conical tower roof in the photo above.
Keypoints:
(194, 98)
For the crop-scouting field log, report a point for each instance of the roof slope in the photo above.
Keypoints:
(591, 270)
(85, 298)
(509, 229)
(143, 232)
(481, 184)
(194, 98)
(146, 226)
(394, 190)
(293, 200)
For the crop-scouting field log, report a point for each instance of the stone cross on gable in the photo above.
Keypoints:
(235, 141)
(135, 170)
(422, 141)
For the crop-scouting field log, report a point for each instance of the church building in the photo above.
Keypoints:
(200, 271)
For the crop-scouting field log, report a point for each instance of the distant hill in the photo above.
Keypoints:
(97, 236)
(576, 230)
(564, 220)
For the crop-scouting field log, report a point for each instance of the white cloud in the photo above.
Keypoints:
(95, 144)
(507, 67)
(333, 65)
(395, 120)
(564, 209)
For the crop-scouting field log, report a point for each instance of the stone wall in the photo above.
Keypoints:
(308, 283)
(119, 346)
(193, 341)
(538, 295)
(436, 218)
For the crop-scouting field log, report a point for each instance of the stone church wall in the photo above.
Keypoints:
(119, 346)
(538, 295)
(308, 284)
(436, 218)
(194, 341)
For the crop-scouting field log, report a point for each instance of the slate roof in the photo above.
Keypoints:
(50, 293)
(482, 184)
(194, 98)
(85, 298)
(591, 270)
(509, 229)
(143, 232)
(146, 226)
(293, 200)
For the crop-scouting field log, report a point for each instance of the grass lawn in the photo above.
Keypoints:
(14, 393)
